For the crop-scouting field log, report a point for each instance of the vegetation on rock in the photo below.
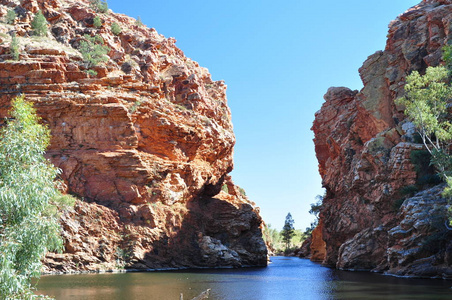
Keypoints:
(138, 22)
(39, 24)
(100, 6)
(426, 105)
(10, 16)
(14, 47)
(315, 210)
(116, 29)
(97, 22)
(27, 228)
(93, 51)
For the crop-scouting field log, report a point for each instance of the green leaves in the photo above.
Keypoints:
(116, 29)
(14, 47)
(100, 6)
(26, 188)
(39, 24)
(97, 22)
(288, 230)
(93, 51)
(10, 16)
(426, 102)
(426, 105)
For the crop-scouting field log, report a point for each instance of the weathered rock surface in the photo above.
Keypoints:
(420, 244)
(147, 144)
(363, 146)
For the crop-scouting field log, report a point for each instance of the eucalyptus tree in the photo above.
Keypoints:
(426, 106)
(28, 227)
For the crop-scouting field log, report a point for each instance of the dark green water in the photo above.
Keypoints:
(286, 278)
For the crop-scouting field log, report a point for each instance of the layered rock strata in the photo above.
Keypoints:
(363, 144)
(146, 143)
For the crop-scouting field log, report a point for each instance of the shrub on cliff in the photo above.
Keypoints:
(93, 51)
(10, 16)
(315, 210)
(14, 47)
(39, 24)
(97, 22)
(116, 29)
(138, 22)
(27, 186)
(100, 6)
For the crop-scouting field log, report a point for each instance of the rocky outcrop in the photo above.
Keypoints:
(146, 143)
(363, 144)
(317, 244)
(420, 244)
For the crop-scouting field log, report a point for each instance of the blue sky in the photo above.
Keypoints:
(278, 59)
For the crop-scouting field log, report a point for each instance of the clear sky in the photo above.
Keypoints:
(278, 59)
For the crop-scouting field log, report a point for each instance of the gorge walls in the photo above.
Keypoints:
(145, 144)
(363, 144)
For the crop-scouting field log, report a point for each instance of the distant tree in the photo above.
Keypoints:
(116, 29)
(10, 16)
(14, 47)
(97, 22)
(288, 230)
(271, 236)
(138, 22)
(27, 230)
(39, 24)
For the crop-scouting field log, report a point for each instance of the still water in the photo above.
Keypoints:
(285, 278)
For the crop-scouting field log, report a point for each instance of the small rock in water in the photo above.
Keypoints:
(203, 295)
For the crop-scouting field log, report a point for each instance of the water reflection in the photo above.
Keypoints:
(285, 278)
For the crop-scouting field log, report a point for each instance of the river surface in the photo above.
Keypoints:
(285, 278)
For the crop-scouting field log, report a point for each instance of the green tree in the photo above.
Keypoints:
(116, 29)
(93, 51)
(39, 24)
(288, 230)
(10, 16)
(100, 6)
(138, 22)
(97, 22)
(447, 56)
(425, 104)
(315, 210)
(271, 236)
(14, 47)
(27, 186)
(317, 206)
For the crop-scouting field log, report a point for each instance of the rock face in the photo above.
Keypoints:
(364, 145)
(147, 143)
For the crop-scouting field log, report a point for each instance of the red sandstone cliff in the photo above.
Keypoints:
(363, 146)
(147, 144)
